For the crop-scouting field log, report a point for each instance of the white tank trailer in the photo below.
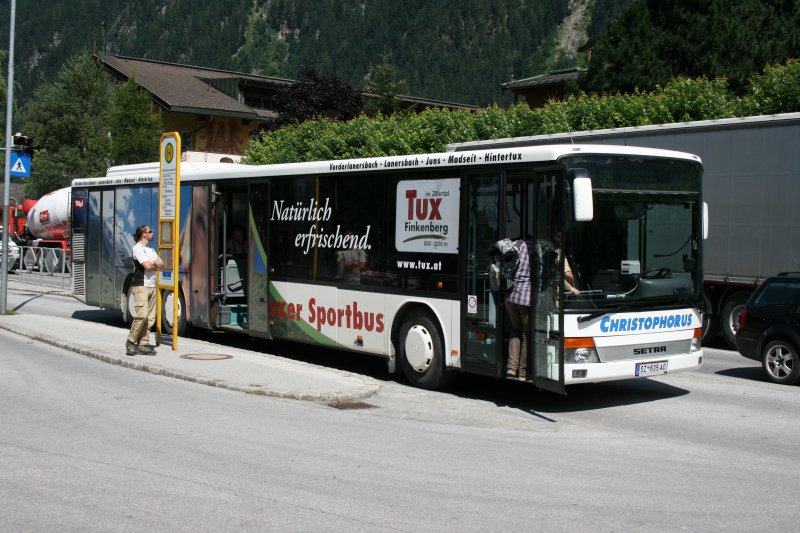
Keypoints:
(48, 219)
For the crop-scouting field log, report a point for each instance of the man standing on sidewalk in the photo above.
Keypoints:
(143, 291)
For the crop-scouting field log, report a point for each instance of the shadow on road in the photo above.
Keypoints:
(101, 316)
(752, 373)
(522, 396)
(21, 306)
(516, 395)
(717, 342)
(527, 398)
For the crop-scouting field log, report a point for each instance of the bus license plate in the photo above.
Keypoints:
(650, 369)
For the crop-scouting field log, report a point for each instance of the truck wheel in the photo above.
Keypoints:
(166, 313)
(729, 316)
(421, 352)
(781, 362)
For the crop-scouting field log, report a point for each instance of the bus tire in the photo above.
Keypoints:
(729, 316)
(166, 313)
(422, 352)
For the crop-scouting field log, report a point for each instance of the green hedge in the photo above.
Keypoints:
(776, 90)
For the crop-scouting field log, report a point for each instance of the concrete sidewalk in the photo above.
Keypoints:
(198, 361)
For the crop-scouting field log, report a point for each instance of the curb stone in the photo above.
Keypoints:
(370, 387)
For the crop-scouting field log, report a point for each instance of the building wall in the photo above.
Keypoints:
(205, 133)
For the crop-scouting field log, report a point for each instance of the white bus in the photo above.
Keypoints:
(388, 256)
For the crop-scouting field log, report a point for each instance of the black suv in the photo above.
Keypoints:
(769, 328)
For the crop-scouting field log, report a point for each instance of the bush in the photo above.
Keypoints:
(776, 90)
(699, 99)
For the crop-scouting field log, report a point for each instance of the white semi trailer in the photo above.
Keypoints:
(752, 187)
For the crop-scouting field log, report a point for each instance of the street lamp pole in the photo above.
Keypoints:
(7, 171)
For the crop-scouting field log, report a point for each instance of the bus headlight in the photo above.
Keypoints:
(581, 355)
(580, 350)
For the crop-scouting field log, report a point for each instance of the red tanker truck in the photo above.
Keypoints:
(15, 220)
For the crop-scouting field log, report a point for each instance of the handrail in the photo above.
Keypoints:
(43, 261)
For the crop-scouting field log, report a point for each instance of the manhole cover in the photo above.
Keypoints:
(206, 356)
(350, 404)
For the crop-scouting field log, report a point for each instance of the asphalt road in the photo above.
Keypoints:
(90, 446)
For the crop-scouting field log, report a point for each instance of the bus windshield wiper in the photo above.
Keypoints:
(596, 314)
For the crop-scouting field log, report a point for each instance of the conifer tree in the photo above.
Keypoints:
(653, 41)
(82, 123)
(381, 81)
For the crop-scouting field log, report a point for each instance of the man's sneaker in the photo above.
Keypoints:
(146, 349)
(130, 348)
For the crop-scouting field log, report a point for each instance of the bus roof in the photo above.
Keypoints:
(199, 171)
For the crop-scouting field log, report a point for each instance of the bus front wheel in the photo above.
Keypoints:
(167, 306)
(422, 352)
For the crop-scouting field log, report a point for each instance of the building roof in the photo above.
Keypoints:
(553, 78)
(188, 89)
(422, 103)
(205, 91)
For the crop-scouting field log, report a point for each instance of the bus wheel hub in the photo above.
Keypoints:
(419, 348)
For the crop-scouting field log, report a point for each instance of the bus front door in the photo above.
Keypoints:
(517, 205)
(531, 210)
(547, 343)
(482, 313)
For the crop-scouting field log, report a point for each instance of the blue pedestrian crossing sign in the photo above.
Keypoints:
(20, 165)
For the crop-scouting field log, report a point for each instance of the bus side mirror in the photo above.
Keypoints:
(582, 195)
(705, 221)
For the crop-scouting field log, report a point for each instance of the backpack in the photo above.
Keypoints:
(505, 255)
(496, 276)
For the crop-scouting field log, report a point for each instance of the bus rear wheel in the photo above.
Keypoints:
(127, 305)
(422, 352)
(167, 306)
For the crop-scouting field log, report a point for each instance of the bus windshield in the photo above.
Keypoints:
(642, 244)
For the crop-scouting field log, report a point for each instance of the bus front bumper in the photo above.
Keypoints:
(635, 368)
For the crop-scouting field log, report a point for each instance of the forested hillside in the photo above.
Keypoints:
(650, 42)
(455, 51)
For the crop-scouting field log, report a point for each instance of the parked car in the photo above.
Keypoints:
(769, 328)
(13, 251)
